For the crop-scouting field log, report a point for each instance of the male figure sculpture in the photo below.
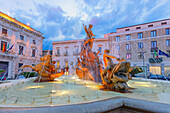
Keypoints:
(89, 36)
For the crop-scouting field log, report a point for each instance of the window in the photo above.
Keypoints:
(168, 52)
(138, 27)
(140, 45)
(33, 66)
(128, 46)
(140, 55)
(117, 38)
(140, 35)
(20, 64)
(150, 25)
(100, 49)
(168, 42)
(153, 44)
(3, 44)
(127, 37)
(21, 49)
(167, 31)
(58, 51)
(77, 50)
(4, 31)
(127, 29)
(58, 64)
(66, 63)
(66, 51)
(21, 37)
(163, 23)
(128, 55)
(153, 33)
(33, 41)
(33, 53)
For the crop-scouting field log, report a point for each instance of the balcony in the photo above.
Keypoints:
(155, 60)
(154, 49)
(57, 55)
(66, 53)
(4, 37)
(9, 53)
(76, 53)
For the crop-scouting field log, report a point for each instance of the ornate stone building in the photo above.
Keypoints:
(140, 43)
(26, 41)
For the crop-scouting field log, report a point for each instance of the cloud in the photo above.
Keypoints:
(62, 20)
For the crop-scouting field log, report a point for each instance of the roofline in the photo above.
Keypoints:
(19, 23)
(67, 41)
(143, 23)
(76, 40)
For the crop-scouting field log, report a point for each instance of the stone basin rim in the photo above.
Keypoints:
(104, 105)
(43, 106)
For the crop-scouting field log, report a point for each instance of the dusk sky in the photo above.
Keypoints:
(62, 19)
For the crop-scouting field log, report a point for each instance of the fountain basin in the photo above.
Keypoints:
(69, 90)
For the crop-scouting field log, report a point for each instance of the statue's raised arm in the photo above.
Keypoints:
(88, 42)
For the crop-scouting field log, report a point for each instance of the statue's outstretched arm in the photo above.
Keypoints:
(110, 56)
(92, 33)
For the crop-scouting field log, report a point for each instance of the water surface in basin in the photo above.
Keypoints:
(70, 89)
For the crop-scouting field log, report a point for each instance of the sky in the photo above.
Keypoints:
(60, 20)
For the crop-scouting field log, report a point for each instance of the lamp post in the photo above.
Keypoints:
(143, 54)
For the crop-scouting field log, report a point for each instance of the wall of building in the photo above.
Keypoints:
(13, 37)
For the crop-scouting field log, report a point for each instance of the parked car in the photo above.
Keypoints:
(160, 77)
(2, 78)
(21, 77)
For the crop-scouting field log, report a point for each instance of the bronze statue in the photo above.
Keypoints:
(46, 69)
(89, 66)
(89, 37)
(115, 76)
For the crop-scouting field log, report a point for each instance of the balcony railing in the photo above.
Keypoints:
(154, 49)
(8, 53)
(65, 53)
(57, 55)
(4, 37)
(76, 53)
(155, 60)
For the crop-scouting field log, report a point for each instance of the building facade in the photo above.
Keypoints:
(26, 42)
(44, 52)
(140, 44)
(65, 53)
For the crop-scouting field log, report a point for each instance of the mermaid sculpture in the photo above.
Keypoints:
(46, 69)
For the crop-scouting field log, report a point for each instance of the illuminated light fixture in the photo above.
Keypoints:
(8, 13)
(56, 82)
(73, 77)
(53, 91)
(78, 80)
(34, 87)
(28, 24)
(61, 93)
(142, 83)
(93, 86)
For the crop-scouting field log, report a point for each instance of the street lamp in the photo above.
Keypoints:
(143, 54)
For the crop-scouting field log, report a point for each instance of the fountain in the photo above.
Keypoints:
(89, 66)
(93, 85)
